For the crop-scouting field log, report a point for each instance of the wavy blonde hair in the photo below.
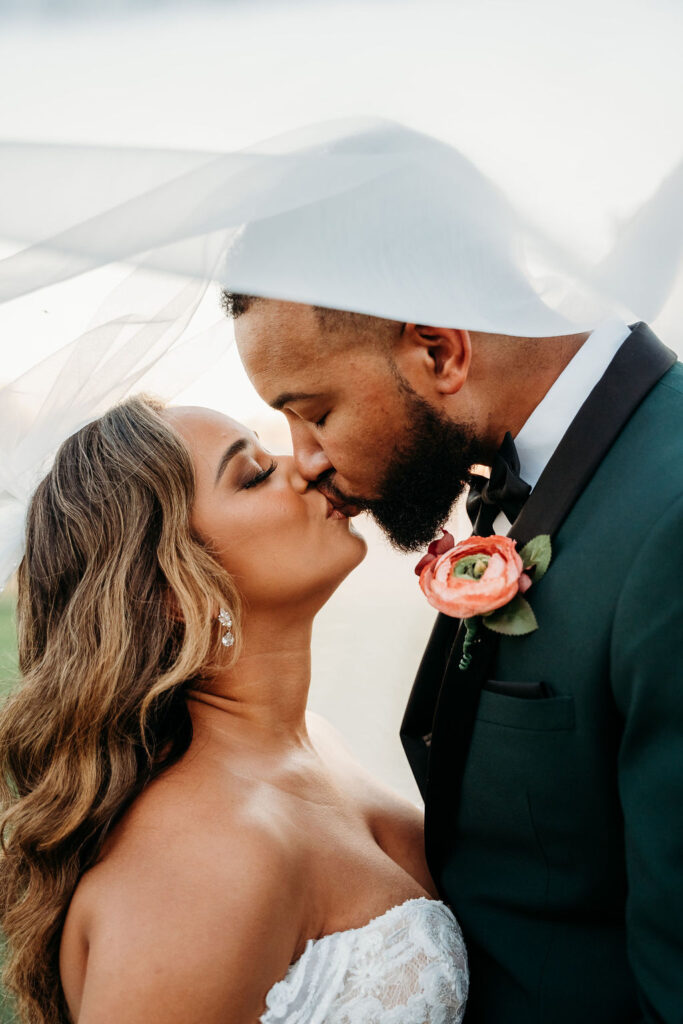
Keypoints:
(117, 604)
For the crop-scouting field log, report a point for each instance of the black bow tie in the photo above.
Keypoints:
(504, 491)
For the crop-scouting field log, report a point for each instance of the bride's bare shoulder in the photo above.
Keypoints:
(188, 887)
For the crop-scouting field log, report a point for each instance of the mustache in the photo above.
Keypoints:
(325, 485)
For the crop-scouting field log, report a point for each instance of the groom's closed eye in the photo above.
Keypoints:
(313, 414)
(287, 397)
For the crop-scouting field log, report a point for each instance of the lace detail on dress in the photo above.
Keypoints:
(408, 966)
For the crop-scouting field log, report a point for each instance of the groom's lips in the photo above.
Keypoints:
(338, 508)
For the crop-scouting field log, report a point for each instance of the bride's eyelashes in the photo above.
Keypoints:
(260, 477)
(321, 422)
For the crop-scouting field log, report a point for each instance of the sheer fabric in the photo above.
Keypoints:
(363, 215)
(408, 966)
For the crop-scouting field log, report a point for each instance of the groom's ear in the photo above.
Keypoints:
(435, 358)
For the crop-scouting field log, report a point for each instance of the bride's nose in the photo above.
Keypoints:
(295, 479)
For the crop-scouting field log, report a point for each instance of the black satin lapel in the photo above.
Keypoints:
(640, 362)
(456, 710)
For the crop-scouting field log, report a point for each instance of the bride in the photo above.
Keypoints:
(183, 841)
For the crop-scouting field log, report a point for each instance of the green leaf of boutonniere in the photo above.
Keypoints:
(514, 619)
(536, 555)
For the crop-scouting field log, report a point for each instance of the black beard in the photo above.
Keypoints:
(427, 473)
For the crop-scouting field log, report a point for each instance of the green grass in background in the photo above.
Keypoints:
(6, 1015)
(8, 677)
(8, 645)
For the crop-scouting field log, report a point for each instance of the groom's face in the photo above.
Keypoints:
(359, 431)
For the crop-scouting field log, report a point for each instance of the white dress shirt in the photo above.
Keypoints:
(550, 420)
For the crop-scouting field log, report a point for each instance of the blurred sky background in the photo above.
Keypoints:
(574, 109)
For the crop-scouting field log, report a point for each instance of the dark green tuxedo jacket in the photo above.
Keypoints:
(554, 823)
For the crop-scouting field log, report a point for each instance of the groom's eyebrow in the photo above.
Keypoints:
(290, 396)
(235, 448)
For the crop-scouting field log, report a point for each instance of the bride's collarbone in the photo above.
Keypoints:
(313, 804)
(350, 878)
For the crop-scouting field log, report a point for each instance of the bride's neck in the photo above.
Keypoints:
(265, 694)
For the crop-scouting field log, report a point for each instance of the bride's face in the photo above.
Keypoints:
(280, 539)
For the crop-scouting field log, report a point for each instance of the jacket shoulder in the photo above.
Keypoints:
(650, 447)
(673, 379)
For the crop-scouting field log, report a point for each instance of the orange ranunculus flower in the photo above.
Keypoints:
(475, 577)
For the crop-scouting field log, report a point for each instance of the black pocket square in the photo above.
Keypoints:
(515, 689)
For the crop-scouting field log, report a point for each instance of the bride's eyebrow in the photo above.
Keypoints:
(234, 449)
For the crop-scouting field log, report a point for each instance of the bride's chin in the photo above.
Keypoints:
(359, 542)
(356, 550)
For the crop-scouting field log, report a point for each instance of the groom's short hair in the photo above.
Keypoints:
(235, 304)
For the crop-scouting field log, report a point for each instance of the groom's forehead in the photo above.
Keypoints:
(276, 338)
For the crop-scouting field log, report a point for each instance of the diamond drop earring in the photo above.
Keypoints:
(225, 620)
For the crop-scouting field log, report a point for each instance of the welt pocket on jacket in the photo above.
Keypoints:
(533, 712)
(514, 688)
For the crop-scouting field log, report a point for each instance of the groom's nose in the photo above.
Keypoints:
(309, 456)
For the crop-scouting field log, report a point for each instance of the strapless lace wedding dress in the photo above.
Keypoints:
(408, 966)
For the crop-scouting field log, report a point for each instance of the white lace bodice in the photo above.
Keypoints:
(408, 966)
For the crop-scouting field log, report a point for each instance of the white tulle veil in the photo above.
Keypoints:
(362, 215)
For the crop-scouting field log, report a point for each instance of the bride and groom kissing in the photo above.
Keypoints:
(197, 847)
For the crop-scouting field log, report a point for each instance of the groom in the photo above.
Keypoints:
(552, 767)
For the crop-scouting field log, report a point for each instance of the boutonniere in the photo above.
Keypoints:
(482, 580)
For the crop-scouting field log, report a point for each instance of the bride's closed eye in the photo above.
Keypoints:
(260, 477)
